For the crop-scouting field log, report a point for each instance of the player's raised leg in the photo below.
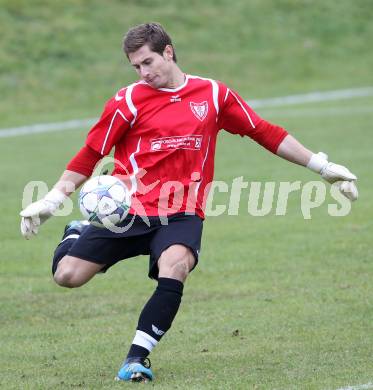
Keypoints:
(74, 272)
(70, 271)
(157, 315)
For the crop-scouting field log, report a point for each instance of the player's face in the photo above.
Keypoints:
(152, 67)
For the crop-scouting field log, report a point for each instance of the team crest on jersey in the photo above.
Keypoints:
(200, 110)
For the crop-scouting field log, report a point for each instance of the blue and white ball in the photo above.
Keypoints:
(104, 201)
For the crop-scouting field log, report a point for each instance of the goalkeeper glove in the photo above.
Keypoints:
(334, 173)
(38, 212)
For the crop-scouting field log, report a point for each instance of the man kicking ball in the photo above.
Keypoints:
(163, 129)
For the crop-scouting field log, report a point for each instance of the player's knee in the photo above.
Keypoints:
(177, 271)
(66, 277)
(181, 268)
(176, 262)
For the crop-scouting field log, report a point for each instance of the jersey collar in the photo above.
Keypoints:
(175, 89)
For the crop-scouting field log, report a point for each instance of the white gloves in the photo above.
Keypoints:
(335, 173)
(38, 212)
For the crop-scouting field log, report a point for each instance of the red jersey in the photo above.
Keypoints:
(165, 140)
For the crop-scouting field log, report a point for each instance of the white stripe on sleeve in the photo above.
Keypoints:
(117, 112)
(247, 114)
(226, 94)
(130, 104)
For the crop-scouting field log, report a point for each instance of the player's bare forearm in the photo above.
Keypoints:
(70, 181)
(292, 150)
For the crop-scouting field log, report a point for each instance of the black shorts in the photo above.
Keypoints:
(102, 246)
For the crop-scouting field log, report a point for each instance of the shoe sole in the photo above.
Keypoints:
(136, 377)
(139, 377)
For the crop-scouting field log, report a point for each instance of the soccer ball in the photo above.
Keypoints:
(104, 201)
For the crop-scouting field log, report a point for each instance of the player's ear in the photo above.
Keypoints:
(168, 53)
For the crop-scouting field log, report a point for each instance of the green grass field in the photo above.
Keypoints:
(276, 302)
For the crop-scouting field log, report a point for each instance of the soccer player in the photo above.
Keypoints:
(163, 129)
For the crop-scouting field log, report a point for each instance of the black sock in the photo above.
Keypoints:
(157, 316)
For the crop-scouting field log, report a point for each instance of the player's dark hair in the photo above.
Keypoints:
(151, 34)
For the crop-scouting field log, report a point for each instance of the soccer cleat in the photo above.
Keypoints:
(135, 370)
